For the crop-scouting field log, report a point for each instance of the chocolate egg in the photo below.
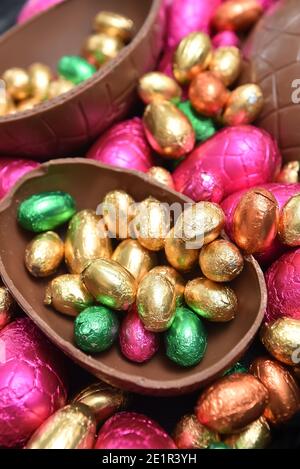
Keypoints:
(75, 69)
(7, 306)
(226, 64)
(221, 261)
(114, 25)
(192, 56)
(289, 222)
(282, 339)
(17, 83)
(211, 300)
(156, 302)
(168, 130)
(151, 224)
(33, 7)
(102, 47)
(7, 105)
(72, 427)
(28, 104)
(135, 258)
(289, 173)
(11, 170)
(44, 254)
(237, 15)
(110, 284)
(58, 87)
(161, 175)
(244, 105)
(40, 76)
(208, 94)
(117, 209)
(177, 253)
(203, 126)
(68, 295)
(256, 436)
(226, 39)
(157, 85)
(190, 434)
(232, 403)
(175, 278)
(284, 393)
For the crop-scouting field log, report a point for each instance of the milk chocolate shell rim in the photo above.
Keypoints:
(87, 84)
(166, 387)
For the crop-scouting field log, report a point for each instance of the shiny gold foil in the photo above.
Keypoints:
(110, 284)
(168, 130)
(256, 436)
(161, 175)
(87, 239)
(118, 211)
(289, 222)
(28, 104)
(72, 427)
(237, 15)
(156, 302)
(226, 64)
(102, 47)
(211, 300)
(40, 76)
(58, 87)
(157, 85)
(44, 254)
(68, 295)
(178, 255)
(255, 221)
(232, 403)
(282, 339)
(17, 83)
(7, 105)
(174, 277)
(244, 105)
(103, 400)
(192, 56)
(114, 25)
(135, 258)
(289, 173)
(190, 434)
(7, 306)
(221, 261)
(284, 393)
(208, 94)
(151, 224)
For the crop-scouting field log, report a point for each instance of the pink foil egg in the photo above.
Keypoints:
(226, 38)
(124, 145)
(266, 4)
(166, 64)
(283, 280)
(238, 157)
(33, 7)
(31, 381)
(129, 430)
(137, 344)
(11, 170)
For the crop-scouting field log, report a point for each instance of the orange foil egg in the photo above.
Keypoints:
(237, 15)
(208, 94)
(191, 434)
(289, 222)
(244, 105)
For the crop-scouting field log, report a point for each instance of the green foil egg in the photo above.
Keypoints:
(204, 127)
(46, 211)
(186, 340)
(75, 69)
(96, 329)
(218, 445)
(236, 368)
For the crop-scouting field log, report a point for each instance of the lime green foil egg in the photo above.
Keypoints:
(46, 211)
(203, 126)
(75, 69)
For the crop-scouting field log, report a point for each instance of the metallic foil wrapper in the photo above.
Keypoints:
(282, 339)
(44, 254)
(157, 85)
(102, 48)
(114, 25)
(17, 83)
(237, 15)
(244, 105)
(226, 64)
(118, 211)
(256, 436)
(7, 306)
(75, 69)
(178, 255)
(221, 261)
(161, 175)
(289, 174)
(289, 222)
(40, 76)
(208, 94)
(58, 87)
(151, 224)
(189, 433)
(135, 258)
(175, 278)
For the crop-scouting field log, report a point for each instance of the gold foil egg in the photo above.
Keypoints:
(7, 306)
(289, 222)
(208, 94)
(221, 261)
(156, 302)
(87, 239)
(237, 15)
(174, 277)
(151, 224)
(58, 87)
(68, 295)
(102, 47)
(178, 255)
(110, 284)
(255, 221)
(40, 76)
(226, 64)
(115, 25)
(232, 403)
(256, 436)
(289, 173)
(135, 258)
(211, 300)
(17, 83)
(192, 56)
(282, 340)
(28, 104)
(7, 105)
(44, 254)
(118, 211)
(244, 105)
(191, 434)
(157, 85)
(72, 427)
(168, 130)
(161, 175)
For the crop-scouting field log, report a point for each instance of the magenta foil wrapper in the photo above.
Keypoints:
(226, 38)
(33, 7)
(11, 170)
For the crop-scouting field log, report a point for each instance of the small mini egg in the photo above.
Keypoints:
(96, 329)
(110, 284)
(218, 445)
(282, 339)
(226, 64)
(114, 25)
(175, 278)
(17, 83)
(27, 104)
(157, 85)
(289, 222)
(44, 254)
(204, 127)
(168, 130)
(68, 295)
(46, 211)
(255, 221)
(161, 175)
(151, 224)
(190, 434)
(186, 339)
(58, 87)
(256, 436)
(7, 105)
(118, 209)
(289, 174)
(102, 48)
(226, 39)
(7, 307)
(208, 94)
(192, 56)
(237, 15)
(156, 302)
(178, 255)
(135, 258)
(75, 69)
(232, 403)
(211, 300)
(221, 261)
(40, 76)
(244, 105)
(87, 239)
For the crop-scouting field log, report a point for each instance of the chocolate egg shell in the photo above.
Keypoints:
(221, 261)
(110, 284)
(17, 83)
(40, 76)
(135, 258)
(178, 255)
(289, 222)
(237, 15)
(256, 436)
(208, 94)
(157, 85)
(86, 240)
(190, 434)
(232, 403)
(117, 209)
(226, 64)
(44, 254)
(174, 277)
(151, 224)
(7, 305)
(282, 339)
(244, 105)
(114, 25)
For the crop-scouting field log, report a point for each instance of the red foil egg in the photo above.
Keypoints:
(11, 170)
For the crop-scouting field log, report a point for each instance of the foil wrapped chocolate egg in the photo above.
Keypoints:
(33, 7)
(213, 301)
(58, 87)
(11, 170)
(44, 254)
(114, 25)
(101, 47)
(232, 403)
(244, 105)
(289, 173)
(189, 433)
(221, 261)
(180, 256)
(86, 240)
(289, 222)
(203, 126)
(208, 94)
(226, 64)
(226, 39)
(40, 76)
(7, 306)
(68, 295)
(7, 105)
(282, 339)
(161, 175)
(175, 278)
(72, 427)
(284, 392)
(75, 69)
(156, 302)
(157, 85)
(17, 83)
(237, 15)
(168, 130)
(151, 224)
(135, 258)
(110, 284)
(28, 104)
(256, 436)
(118, 210)
(192, 56)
